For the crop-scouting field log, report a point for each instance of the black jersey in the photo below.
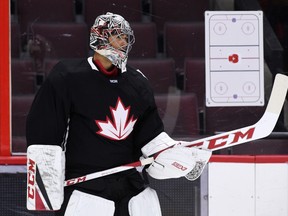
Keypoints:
(102, 121)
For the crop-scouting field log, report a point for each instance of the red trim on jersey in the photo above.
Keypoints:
(5, 148)
(111, 73)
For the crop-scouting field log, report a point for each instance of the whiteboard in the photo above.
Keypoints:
(234, 59)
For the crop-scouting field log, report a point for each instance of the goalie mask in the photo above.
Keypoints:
(108, 25)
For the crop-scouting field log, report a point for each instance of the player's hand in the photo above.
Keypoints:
(172, 163)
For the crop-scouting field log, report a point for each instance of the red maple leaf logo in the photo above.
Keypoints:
(120, 126)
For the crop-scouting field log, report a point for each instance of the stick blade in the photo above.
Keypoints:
(278, 94)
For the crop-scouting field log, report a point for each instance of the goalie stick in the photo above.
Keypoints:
(259, 130)
(109, 171)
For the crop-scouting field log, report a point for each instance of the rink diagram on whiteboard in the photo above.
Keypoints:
(234, 58)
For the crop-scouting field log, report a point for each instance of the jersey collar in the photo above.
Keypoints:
(93, 66)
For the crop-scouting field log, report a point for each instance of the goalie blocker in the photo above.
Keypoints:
(45, 177)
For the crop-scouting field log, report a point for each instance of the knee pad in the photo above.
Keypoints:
(145, 203)
(83, 204)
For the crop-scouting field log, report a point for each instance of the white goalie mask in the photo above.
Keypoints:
(108, 25)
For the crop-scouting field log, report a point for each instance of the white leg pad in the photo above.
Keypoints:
(145, 203)
(83, 204)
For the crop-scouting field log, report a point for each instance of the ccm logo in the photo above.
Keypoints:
(31, 179)
(76, 180)
(225, 140)
(179, 166)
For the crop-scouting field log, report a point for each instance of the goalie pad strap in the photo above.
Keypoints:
(145, 203)
(45, 177)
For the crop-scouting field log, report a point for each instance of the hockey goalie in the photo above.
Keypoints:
(93, 114)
